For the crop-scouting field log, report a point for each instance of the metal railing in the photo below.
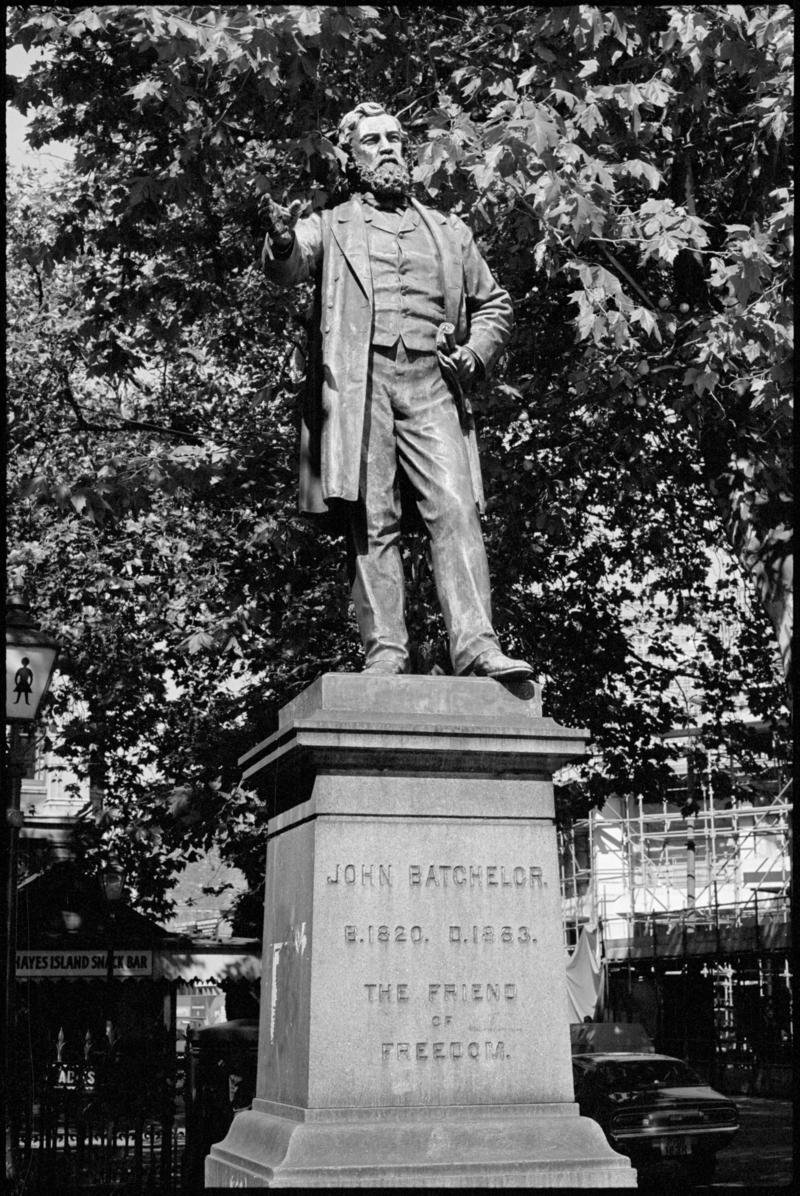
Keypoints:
(85, 1123)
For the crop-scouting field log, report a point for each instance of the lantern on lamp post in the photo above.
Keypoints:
(112, 879)
(30, 660)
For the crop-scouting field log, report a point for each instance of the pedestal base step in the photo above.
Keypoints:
(504, 1146)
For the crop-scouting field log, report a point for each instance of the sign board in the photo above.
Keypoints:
(74, 1075)
(51, 965)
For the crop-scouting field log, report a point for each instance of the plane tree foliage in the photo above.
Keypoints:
(627, 172)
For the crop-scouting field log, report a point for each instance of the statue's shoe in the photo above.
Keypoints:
(386, 667)
(494, 663)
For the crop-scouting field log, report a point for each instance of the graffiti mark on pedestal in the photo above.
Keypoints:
(283, 987)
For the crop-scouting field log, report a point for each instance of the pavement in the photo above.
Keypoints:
(759, 1159)
(761, 1154)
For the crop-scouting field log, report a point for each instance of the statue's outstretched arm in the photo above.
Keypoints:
(290, 255)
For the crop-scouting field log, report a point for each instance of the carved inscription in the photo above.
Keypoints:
(491, 934)
(472, 992)
(387, 992)
(423, 1051)
(441, 1003)
(370, 933)
(435, 876)
(369, 875)
(384, 934)
(474, 876)
(390, 993)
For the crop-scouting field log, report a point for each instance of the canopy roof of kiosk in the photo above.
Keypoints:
(68, 931)
(201, 963)
(61, 908)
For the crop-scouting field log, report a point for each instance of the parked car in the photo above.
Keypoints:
(655, 1109)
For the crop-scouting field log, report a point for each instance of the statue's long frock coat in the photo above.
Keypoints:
(333, 417)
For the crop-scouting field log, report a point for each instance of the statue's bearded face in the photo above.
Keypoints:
(376, 148)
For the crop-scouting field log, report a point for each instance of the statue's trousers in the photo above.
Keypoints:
(412, 425)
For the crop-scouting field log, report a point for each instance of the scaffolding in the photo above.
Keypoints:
(689, 891)
(640, 862)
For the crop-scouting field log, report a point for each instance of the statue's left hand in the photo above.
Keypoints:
(467, 366)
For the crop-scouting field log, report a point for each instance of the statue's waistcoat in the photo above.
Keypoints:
(407, 297)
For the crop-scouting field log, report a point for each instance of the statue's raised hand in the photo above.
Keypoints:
(277, 223)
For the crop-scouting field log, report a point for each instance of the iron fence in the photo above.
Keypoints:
(91, 1123)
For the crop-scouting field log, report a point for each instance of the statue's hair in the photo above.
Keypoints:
(351, 120)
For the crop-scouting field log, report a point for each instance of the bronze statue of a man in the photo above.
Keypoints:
(390, 272)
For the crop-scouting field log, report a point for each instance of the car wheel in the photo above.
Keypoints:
(701, 1169)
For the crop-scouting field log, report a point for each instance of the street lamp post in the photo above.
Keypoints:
(113, 881)
(30, 660)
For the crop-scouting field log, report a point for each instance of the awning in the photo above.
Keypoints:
(198, 966)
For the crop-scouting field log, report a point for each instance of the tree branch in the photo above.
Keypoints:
(629, 278)
(660, 668)
(87, 425)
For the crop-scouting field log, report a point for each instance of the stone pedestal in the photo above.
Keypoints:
(414, 1025)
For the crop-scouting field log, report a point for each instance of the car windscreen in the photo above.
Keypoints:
(635, 1074)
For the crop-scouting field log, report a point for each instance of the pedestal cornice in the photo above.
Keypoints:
(351, 722)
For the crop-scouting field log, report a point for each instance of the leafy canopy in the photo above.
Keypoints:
(628, 173)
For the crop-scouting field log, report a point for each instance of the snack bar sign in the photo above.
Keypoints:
(49, 965)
